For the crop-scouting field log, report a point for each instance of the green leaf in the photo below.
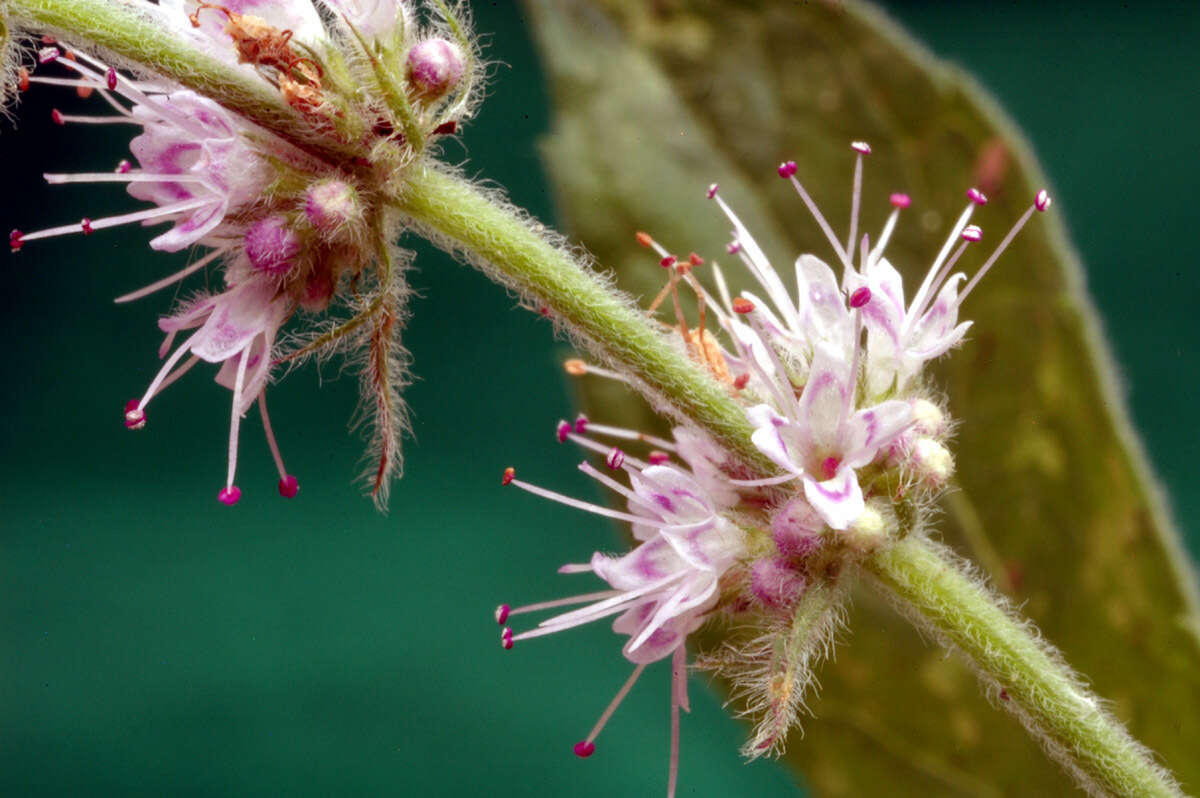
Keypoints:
(1055, 503)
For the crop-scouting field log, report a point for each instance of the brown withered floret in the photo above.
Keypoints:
(259, 43)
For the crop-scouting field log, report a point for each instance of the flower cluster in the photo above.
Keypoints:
(830, 379)
(295, 231)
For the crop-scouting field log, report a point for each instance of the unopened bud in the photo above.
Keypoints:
(435, 66)
(272, 245)
(796, 529)
(928, 419)
(931, 462)
(868, 530)
(330, 205)
(776, 583)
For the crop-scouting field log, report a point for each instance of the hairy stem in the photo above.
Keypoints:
(135, 35)
(1029, 677)
(460, 218)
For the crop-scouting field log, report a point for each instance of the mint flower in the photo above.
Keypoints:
(667, 586)
(294, 231)
(824, 405)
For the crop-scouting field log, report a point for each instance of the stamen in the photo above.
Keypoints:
(582, 424)
(504, 612)
(506, 638)
(600, 448)
(1042, 200)
(816, 214)
(577, 368)
(47, 55)
(61, 119)
(562, 431)
(862, 148)
(23, 79)
(900, 201)
(758, 483)
(229, 496)
(569, 501)
(976, 196)
(743, 306)
(586, 747)
(288, 484)
(114, 221)
(860, 297)
(615, 459)
(621, 490)
(162, 374)
(647, 240)
(712, 191)
(135, 417)
(236, 417)
(920, 297)
(174, 278)
(970, 234)
(1016, 228)
(508, 476)
(678, 701)
(658, 458)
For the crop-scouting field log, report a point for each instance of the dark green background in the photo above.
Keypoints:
(156, 642)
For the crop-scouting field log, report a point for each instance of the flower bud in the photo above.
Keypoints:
(330, 205)
(272, 245)
(931, 462)
(776, 583)
(868, 531)
(928, 418)
(435, 66)
(796, 529)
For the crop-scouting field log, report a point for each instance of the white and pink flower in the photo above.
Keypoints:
(237, 330)
(664, 588)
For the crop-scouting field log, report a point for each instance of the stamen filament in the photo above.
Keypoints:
(855, 199)
(825, 228)
(629, 435)
(999, 249)
(919, 297)
(174, 278)
(617, 487)
(600, 448)
(577, 503)
(562, 602)
(616, 702)
(114, 221)
(236, 417)
(270, 434)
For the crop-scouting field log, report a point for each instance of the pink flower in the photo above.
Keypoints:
(237, 330)
(663, 589)
(822, 438)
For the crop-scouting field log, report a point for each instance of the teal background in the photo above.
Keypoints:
(153, 641)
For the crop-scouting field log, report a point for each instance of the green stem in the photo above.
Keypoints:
(1030, 678)
(119, 30)
(498, 240)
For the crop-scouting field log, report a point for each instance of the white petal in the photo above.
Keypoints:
(838, 500)
(823, 401)
(870, 430)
